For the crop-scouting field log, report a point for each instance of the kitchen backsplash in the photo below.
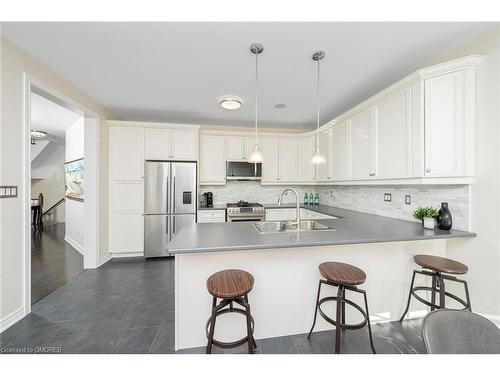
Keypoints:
(369, 199)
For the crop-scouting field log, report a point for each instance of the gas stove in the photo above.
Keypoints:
(245, 211)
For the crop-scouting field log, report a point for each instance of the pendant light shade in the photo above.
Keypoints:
(256, 156)
(317, 157)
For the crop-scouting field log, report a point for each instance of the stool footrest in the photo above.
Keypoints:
(434, 305)
(342, 325)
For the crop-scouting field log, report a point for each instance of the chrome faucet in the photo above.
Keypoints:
(296, 200)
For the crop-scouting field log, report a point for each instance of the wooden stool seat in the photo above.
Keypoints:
(342, 273)
(230, 283)
(440, 264)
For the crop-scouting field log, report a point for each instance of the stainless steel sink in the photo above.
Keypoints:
(265, 227)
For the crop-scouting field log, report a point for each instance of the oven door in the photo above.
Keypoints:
(246, 217)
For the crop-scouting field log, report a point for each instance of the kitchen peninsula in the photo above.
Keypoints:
(285, 267)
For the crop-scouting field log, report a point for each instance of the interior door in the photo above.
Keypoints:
(156, 235)
(183, 188)
(156, 187)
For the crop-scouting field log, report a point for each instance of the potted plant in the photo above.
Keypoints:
(427, 215)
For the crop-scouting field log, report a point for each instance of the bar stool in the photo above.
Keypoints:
(438, 266)
(345, 277)
(231, 286)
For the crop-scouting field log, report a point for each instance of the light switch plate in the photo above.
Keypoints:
(8, 191)
(407, 199)
(387, 197)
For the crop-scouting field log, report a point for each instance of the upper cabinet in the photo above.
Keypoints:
(360, 136)
(306, 170)
(324, 172)
(170, 144)
(288, 159)
(213, 160)
(392, 136)
(126, 153)
(449, 115)
(340, 151)
(236, 148)
(269, 146)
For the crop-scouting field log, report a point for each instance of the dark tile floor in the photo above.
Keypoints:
(53, 261)
(127, 306)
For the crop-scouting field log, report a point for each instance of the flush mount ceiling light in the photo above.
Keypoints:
(256, 156)
(317, 157)
(230, 103)
(38, 134)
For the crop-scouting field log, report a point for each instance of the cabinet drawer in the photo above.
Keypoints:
(212, 216)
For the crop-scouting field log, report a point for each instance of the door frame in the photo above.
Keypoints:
(91, 154)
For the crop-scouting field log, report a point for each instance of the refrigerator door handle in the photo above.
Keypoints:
(173, 194)
(168, 196)
(173, 231)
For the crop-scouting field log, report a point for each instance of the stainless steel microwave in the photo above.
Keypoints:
(243, 171)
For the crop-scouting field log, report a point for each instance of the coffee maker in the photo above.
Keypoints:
(208, 199)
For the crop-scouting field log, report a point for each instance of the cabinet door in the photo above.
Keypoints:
(340, 151)
(361, 145)
(443, 125)
(126, 154)
(288, 159)
(270, 167)
(126, 234)
(236, 148)
(157, 144)
(249, 144)
(213, 159)
(306, 170)
(185, 144)
(324, 171)
(393, 129)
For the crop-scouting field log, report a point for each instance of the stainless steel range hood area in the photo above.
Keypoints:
(243, 171)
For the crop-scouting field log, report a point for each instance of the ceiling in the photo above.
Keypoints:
(50, 117)
(177, 72)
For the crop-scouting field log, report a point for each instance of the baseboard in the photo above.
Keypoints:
(104, 259)
(128, 255)
(11, 319)
(80, 249)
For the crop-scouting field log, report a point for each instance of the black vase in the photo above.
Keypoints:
(444, 217)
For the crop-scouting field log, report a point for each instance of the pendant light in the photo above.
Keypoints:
(256, 156)
(317, 157)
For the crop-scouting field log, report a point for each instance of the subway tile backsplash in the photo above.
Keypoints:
(369, 199)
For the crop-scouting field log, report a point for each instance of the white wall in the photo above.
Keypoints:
(14, 65)
(75, 136)
(482, 254)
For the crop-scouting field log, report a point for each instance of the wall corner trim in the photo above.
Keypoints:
(104, 259)
(11, 319)
(73, 243)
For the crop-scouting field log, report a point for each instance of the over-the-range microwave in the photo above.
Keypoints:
(243, 171)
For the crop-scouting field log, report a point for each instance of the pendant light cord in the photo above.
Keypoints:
(256, 92)
(317, 110)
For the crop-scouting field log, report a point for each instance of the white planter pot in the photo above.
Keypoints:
(429, 222)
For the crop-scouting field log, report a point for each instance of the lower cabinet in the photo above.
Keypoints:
(126, 233)
(212, 216)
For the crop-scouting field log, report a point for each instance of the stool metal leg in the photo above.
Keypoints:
(315, 309)
(433, 293)
(467, 295)
(254, 344)
(343, 309)
(409, 297)
(442, 292)
(368, 322)
(249, 328)
(338, 318)
(212, 326)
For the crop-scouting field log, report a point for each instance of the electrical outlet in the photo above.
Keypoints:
(387, 197)
(331, 193)
(407, 199)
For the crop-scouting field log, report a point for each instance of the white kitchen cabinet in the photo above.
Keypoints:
(361, 145)
(126, 153)
(236, 148)
(170, 144)
(269, 146)
(213, 160)
(211, 216)
(340, 151)
(324, 172)
(249, 145)
(288, 159)
(449, 125)
(185, 144)
(306, 170)
(393, 150)
(126, 234)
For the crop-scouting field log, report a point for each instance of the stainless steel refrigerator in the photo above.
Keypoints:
(169, 203)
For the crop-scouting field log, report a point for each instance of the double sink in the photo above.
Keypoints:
(265, 227)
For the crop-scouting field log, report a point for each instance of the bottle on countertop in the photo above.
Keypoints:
(306, 198)
(316, 199)
(311, 198)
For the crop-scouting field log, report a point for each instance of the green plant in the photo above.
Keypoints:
(422, 212)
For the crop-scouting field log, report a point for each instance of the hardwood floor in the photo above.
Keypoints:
(53, 261)
(127, 306)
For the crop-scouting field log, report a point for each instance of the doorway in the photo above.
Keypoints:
(61, 195)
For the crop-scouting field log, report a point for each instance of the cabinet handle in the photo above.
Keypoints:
(372, 174)
(278, 178)
(428, 170)
(329, 177)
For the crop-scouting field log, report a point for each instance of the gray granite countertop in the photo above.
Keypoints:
(352, 227)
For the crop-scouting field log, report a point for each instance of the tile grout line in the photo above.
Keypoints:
(156, 334)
